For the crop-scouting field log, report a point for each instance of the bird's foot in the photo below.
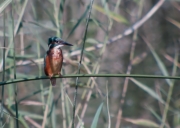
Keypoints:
(59, 74)
(53, 80)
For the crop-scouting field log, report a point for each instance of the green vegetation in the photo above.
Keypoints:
(122, 70)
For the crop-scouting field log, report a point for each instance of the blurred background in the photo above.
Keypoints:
(123, 37)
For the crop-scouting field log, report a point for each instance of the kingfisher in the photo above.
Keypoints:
(54, 58)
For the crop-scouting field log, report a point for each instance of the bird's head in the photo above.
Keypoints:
(55, 42)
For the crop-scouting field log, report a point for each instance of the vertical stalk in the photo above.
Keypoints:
(117, 5)
(15, 29)
(129, 68)
(10, 87)
(40, 74)
(83, 96)
(49, 103)
(63, 106)
(39, 66)
(170, 90)
(3, 75)
(56, 18)
(14, 57)
(79, 66)
(22, 42)
(67, 109)
(60, 16)
(88, 96)
(109, 117)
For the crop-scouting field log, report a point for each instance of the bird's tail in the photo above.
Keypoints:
(53, 81)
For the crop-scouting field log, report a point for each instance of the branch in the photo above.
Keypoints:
(88, 75)
(139, 23)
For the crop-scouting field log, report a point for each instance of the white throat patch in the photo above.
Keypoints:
(58, 46)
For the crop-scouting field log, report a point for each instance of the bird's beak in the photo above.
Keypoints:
(65, 43)
(61, 43)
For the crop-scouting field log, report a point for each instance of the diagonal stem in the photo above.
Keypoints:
(79, 66)
(125, 86)
(139, 23)
(170, 92)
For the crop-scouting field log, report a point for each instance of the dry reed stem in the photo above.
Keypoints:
(32, 122)
(139, 23)
(45, 117)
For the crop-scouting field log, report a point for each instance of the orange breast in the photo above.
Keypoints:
(53, 62)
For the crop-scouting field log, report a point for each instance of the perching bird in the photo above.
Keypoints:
(54, 58)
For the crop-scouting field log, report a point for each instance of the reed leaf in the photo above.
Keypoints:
(159, 62)
(142, 122)
(78, 22)
(96, 117)
(112, 15)
(147, 89)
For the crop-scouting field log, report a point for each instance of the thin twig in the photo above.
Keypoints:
(169, 58)
(80, 61)
(139, 23)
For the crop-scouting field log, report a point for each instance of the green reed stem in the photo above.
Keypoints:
(40, 73)
(89, 75)
(63, 106)
(79, 66)
(14, 54)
